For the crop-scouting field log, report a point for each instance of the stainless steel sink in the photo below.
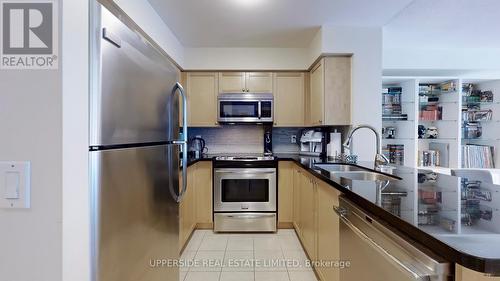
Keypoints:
(363, 176)
(338, 167)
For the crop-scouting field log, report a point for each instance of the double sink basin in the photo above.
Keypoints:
(353, 173)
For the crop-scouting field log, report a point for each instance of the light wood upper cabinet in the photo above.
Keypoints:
(201, 88)
(285, 192)
(316, 104)
(259, 82)
(289, 98)
(203, 190)
(237, 82)
(330, 92)
(232, 82)
(328, 231)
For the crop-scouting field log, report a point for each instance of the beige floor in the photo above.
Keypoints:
(245, 257)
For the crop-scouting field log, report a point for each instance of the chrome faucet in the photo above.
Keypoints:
(380, 160)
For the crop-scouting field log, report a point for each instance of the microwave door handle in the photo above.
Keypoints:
(259, 109)
(341, 212)
(183, 142)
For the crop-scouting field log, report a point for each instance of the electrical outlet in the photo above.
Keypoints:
(293, 139)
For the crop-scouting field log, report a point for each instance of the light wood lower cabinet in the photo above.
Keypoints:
(187, 208)
(315, 222)
(328, 231)
(297, 187)
(465, 274)
(285, 194)
(195, 208)
(308, 215)
(203, 189)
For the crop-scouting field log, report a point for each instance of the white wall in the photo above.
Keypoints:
(365, 44)
(30, 126)
(246, 58)
(468, 61)
(146, 17)
(76, 201)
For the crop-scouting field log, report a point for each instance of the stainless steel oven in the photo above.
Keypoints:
(245, 195)
(245, 108)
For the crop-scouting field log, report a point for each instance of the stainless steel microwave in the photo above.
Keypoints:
(245, 108)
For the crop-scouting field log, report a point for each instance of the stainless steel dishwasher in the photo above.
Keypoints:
(376, 253)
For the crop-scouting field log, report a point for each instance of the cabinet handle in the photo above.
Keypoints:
(320, 121)
(242, 90)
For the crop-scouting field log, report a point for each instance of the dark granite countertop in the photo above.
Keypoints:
(431, 209)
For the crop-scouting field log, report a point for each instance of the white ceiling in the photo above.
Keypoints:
(446, 24)
(267, 23)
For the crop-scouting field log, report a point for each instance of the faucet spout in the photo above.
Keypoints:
(380, 159)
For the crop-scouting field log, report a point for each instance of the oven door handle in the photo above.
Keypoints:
(252, 171)
(250, 216)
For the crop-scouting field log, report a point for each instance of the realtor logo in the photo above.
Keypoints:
(29, 33)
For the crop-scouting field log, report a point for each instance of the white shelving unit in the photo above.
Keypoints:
(450, 127)
(490, 129)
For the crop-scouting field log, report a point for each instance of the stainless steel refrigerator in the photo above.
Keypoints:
(135, 144)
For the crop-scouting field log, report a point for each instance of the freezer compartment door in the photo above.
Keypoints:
(132, 83)
(135, 219)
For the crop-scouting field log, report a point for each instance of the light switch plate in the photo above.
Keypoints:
(15, 184)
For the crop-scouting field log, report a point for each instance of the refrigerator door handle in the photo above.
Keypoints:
(183, 141)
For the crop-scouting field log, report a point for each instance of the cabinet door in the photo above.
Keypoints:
(187, 208)
(308, 218)
(328, 231)
(289, 97)
(201, 88)
(259, 82)
(285, 192)
(297, 186)
(316, 98)
(203, 189)
(337, 96)
(232, 82)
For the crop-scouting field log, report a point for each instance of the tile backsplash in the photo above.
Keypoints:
(249, 138)
(231, 139)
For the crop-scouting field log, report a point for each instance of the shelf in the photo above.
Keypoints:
(479, 139)
(437, 102)
(432, 121)
(399, 139)
(437, 139)
(398, 121)
(436, 169)
(481, 103)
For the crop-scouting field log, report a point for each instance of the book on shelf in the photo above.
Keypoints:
(477, 156)
(394, 117)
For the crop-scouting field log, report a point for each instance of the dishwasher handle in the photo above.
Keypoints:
(342, 213)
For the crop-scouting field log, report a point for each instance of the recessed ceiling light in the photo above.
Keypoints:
(248, 2)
